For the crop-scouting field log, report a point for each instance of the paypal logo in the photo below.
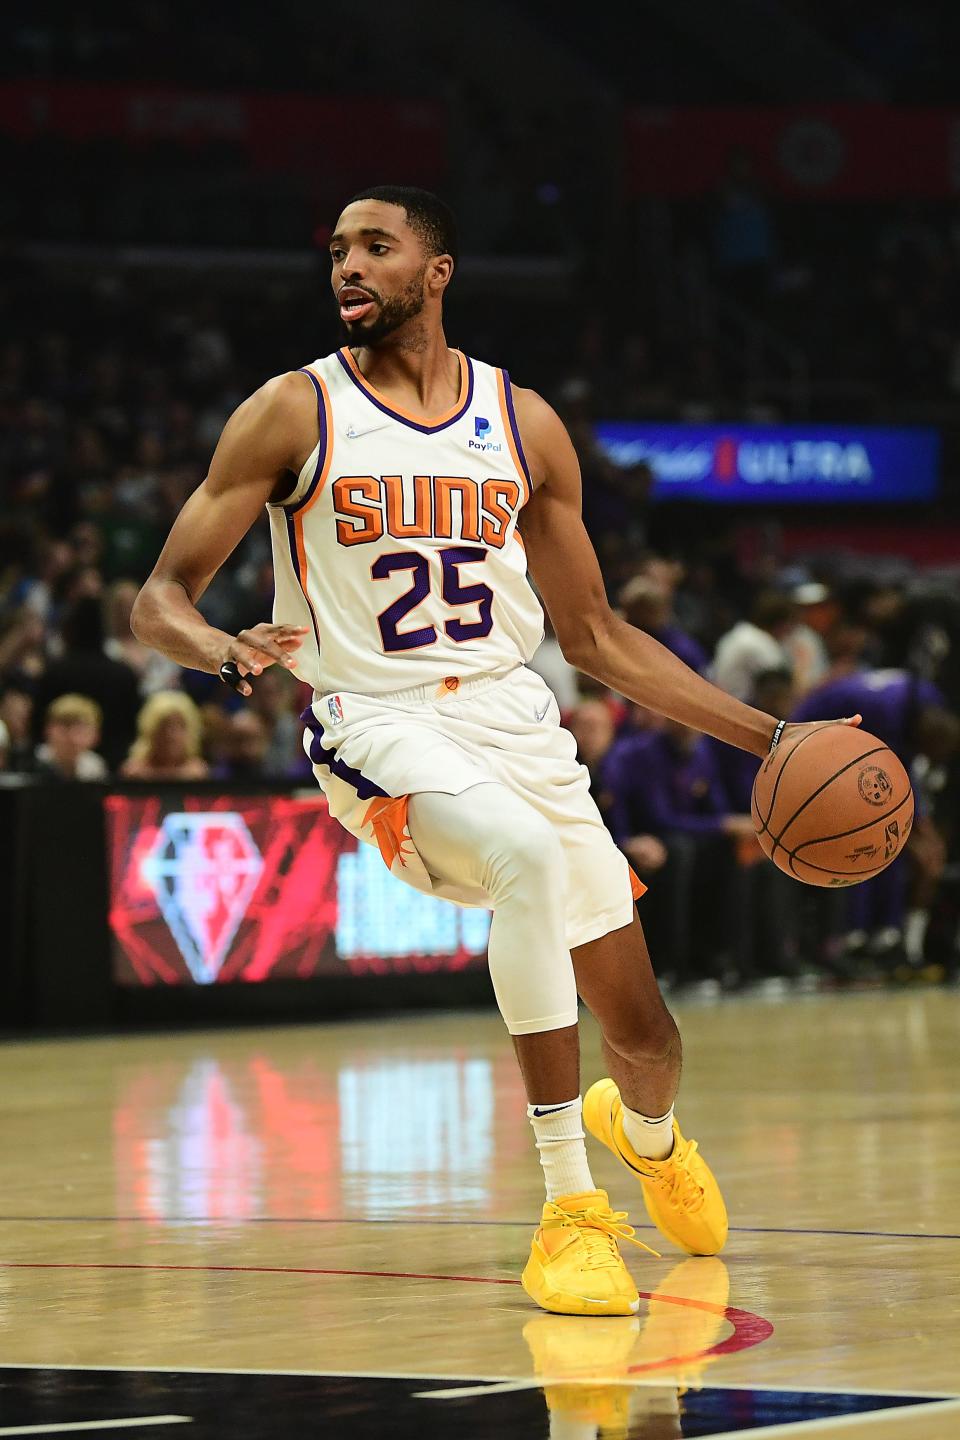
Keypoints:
(482, 428)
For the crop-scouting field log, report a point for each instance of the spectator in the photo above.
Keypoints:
(247, 742)
(906, 712)
(804, 643)
(909, 715)
(85, 669)
(615, 498)
(16, 713)
(645, 602)
(768, 938)
(72, 725)
(167, 746)
(754, 645)
(593, 727)
(274, 702)
(153, 671)
(552, 666)
(743, 233)
(22, 643)
(773, 693)
(666, 783)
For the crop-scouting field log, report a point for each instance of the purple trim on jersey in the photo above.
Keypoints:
(424, 429)
(321, 754)
(512, 414)
(292, 542)
(322, 451)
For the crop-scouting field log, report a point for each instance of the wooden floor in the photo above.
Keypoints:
(358, 1200)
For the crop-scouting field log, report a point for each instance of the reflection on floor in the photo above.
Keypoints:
(342, 1212)
(277, 1407)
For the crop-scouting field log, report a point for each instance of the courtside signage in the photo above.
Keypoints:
(779, 463)
(216, 889)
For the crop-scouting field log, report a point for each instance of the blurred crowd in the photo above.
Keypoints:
(113, 392)
(904, 49)
(678, 803)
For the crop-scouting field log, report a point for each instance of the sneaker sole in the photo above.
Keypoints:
(560, 1303)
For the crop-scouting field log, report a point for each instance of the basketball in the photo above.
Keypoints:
(833, 807)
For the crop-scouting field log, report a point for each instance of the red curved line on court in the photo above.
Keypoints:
(748, 1329)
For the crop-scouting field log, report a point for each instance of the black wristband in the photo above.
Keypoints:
(230, 675)
(781, 726)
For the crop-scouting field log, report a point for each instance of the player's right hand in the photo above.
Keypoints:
(254, 650)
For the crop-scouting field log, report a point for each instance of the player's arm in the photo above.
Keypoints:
(268, 436)
(593, 638)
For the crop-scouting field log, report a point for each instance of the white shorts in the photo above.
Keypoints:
(370, 753)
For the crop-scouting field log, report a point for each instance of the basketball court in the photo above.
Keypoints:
(297, 1231)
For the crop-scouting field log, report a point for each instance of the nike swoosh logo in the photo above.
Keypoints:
(550, 1110)
(352, 433)
(540, 713)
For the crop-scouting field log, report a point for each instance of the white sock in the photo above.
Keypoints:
(651, 1138)
(558, 1131)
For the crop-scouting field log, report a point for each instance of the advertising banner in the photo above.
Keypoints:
(779, 464)
(213, 889)
(813, 151)
(287, 132)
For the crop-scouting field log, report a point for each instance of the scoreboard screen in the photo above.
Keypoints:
(209, 889)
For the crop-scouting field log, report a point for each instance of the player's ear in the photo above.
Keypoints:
(439, 273)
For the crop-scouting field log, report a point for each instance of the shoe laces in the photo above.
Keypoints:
(675, 1177)
(600, 1231)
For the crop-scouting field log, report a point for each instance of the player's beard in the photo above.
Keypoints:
(391, 314)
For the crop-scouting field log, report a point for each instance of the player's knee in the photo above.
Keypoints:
(530, 852)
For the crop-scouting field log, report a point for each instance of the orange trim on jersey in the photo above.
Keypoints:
(388, 817)
(393, 408)
(508, 431)
(315, 488)
(637, 887)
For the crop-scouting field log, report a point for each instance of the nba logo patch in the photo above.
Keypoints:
(336, 709)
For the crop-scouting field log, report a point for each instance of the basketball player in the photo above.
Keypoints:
(409, 491)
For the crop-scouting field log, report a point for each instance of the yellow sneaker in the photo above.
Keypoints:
(681, 1194)
(575, 1265)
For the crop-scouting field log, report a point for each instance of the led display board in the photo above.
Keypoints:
(779, 464)
(210, 889)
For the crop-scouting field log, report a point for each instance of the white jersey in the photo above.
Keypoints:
(398, 548)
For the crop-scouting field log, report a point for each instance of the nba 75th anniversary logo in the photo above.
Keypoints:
(203, 868)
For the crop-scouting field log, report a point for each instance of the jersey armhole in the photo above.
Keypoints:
(311, 479)
(512, 430)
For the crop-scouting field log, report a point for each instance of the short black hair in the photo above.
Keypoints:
(429, 216)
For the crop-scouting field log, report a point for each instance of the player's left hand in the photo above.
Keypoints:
(255, 649)
(794, 731)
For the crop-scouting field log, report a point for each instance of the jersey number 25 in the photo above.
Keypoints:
(453, 592)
